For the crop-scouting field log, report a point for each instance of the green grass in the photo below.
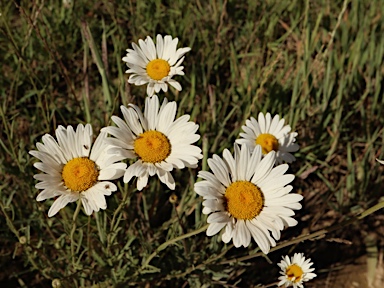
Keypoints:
(319, 64)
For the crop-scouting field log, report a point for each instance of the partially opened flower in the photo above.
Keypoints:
(295, 271)
(248, 196)
(155, 64)
(160, 142)
(271, 135)
(74, 169)
(380, 161)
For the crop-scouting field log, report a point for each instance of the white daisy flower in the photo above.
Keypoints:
(248, 197)
(380, 161)
(159, 141)
(271, 135)
(155, 65)
(295, 271)
(73, 170)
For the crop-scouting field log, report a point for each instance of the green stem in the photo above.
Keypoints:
(119, 208)
(169, 242)
(73, 232)
(200, 266)
(100, 228)
(115, 221)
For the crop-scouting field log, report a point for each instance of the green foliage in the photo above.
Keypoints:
(319, 64)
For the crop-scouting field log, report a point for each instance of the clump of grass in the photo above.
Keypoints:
(317, 64)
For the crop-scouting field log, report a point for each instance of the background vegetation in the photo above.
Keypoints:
(317, 63)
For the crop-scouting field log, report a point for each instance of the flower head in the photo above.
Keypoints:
(248, 197)
(155, 64)
(271, 135)
(74, 170)
(160, 142)
(295, 271)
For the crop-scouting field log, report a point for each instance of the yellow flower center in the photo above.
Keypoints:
(158, 69)
(268, 142)
(80, 174)
(152, 146)
(244, 200)
(294, 273)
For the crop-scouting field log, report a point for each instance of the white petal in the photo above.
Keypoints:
(166, 178)
(214, 228)
(61, 202)
(87, 207)
(227, 235)
(47, 194)
(231, 164)
(175, 84)
(151, 111)
(264, 168)
(219, 217)
(241, 235)
(167, 116)
(142, 181)
(220, 170)
(261, 121)
(159, 46)
(136, 169)
(242, 163)
(259, 237)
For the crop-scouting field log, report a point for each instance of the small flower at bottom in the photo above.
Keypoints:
(248, 197)
(271, 135)
(74, 170)
(295, 271)
(159, 141)
(155, 65)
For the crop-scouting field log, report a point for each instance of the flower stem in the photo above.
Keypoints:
(116, 219)
(200, 266)
(169, 242)
(73, 233)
